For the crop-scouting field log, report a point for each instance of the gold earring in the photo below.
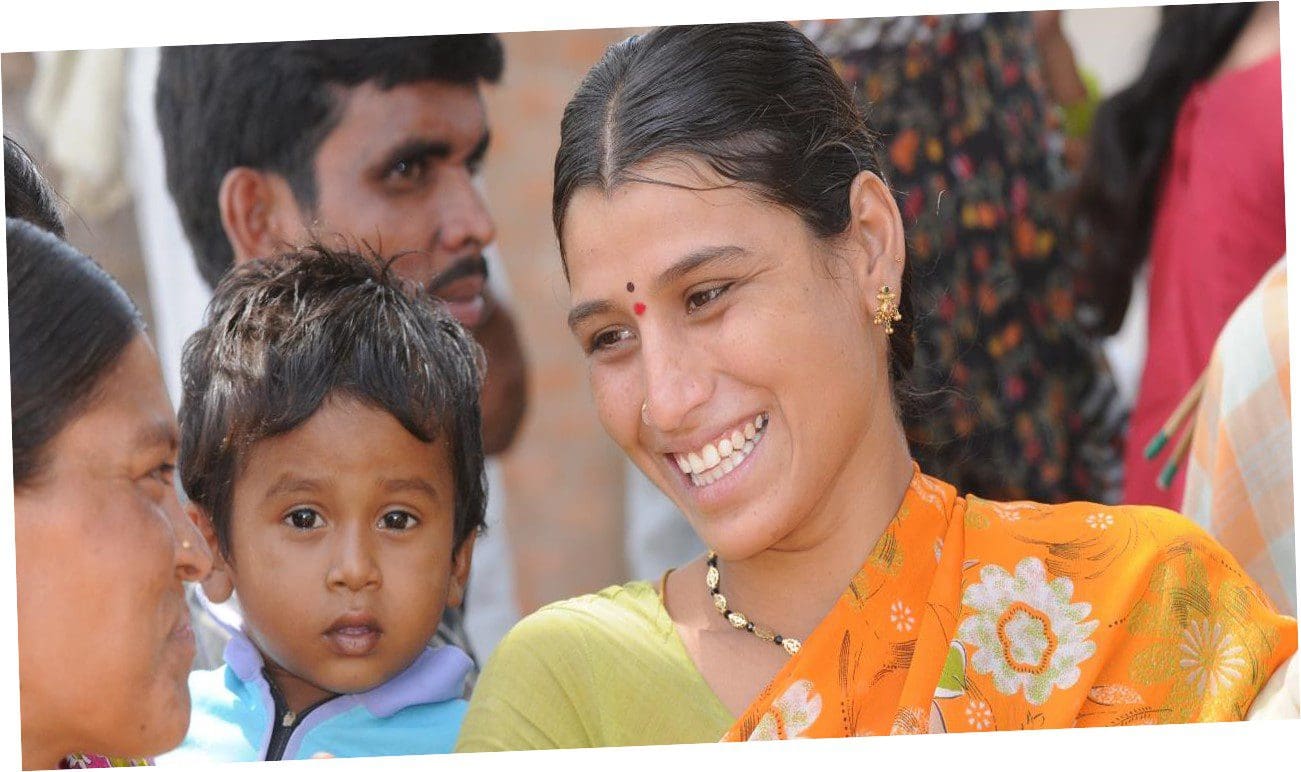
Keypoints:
(887, 312)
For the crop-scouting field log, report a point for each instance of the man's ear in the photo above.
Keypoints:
(258, 212)
(460, 571)
(876, 229)
(221, 582)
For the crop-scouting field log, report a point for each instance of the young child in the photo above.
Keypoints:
(330, 449)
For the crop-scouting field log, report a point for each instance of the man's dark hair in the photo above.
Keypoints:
(28, 196)
(269, 106)
(282, 335)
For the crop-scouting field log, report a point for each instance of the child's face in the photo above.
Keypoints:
(341, 545)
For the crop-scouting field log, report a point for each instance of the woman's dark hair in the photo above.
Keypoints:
(69, 323)
(1131, 139)
(27, 195)
(759, 103)
(281, 336)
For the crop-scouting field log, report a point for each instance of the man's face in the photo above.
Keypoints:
(396, 173)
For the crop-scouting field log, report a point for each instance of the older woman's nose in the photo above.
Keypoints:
(193, 558)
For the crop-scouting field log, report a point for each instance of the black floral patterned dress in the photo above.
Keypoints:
(1014, 399)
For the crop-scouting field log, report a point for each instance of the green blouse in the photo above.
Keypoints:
(600, 670)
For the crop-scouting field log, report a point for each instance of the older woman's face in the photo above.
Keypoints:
(749, 341)
(104, 641)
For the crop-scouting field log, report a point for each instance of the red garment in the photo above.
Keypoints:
(1218, 228)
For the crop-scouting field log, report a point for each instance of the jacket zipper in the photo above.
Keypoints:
(286, 721)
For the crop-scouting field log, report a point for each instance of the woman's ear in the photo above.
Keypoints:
(258, 212)
(460, 571)
(219, 584)
(876, 227)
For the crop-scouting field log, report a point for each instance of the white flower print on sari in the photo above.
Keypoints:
(1025, 631)
(791, 714)
(1212, 659)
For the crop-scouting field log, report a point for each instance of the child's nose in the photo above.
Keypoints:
(354, 566)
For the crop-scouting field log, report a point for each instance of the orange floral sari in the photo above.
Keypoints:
(971, 615)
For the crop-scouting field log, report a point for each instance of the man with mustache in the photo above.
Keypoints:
(365, 144)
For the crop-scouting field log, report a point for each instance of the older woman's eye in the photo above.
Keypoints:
(163, 473)
(397, 520)
(304, 519)
(698, 300)
(608, 339)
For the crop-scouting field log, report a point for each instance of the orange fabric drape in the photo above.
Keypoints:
(972, 615)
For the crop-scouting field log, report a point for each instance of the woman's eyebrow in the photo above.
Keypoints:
(583, 311)
(700, 258)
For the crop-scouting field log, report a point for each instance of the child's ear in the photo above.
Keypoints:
(460, 571)
(221, 582)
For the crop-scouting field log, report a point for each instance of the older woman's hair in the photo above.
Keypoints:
(27, 195)
(759, 103)
(69, 323)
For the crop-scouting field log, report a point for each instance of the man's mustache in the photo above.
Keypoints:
(473, 265)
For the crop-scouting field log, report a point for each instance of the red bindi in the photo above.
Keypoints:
(639, 308)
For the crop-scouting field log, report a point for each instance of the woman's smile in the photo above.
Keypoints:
(715, 460)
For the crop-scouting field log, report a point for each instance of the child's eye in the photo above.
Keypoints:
(698, 300)
(607, 339)
(304, 519)
(397, 520)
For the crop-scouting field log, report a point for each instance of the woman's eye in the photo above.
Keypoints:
(304, 519)
(608, 339)
(397, 520)
(698, 300)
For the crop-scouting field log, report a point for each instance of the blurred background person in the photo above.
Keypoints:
(1239, 480)
(1184, 174)
(1012, 399)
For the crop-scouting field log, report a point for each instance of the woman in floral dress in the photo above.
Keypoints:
(739, 285)
(1011, 395)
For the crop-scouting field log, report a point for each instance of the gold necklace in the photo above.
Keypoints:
(736, 618)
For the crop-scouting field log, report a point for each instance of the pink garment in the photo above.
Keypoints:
(1219, 226)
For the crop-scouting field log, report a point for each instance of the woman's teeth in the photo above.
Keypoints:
(711, 462)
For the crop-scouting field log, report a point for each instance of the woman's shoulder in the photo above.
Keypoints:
(588, 632)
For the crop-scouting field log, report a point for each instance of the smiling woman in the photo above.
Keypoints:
(724, 174)
(102, 546)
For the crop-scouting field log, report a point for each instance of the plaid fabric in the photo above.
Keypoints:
(1239, 484)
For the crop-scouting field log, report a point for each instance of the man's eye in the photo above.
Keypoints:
(607, 339)
(397, 520)
(698, 300)
(304, 519)
(408, 170)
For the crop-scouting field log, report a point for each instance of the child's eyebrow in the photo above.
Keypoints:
(401, 484)
(288, 483)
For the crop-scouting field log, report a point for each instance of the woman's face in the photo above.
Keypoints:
(748, 339)
(104, 640)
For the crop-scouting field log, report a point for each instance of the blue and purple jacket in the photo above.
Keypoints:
(237, 714)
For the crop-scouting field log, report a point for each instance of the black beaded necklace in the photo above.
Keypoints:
(736, 618)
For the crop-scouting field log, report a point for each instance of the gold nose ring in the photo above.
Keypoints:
(644, 418)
